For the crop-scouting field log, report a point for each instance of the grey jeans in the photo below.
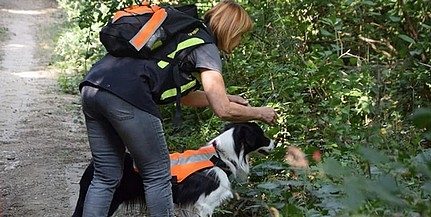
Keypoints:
(113, 124)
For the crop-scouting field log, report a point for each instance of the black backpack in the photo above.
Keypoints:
(139, 30)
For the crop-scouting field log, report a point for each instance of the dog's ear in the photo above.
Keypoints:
(247, 136)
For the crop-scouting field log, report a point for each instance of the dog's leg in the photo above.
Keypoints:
(206, 204)
(79, 208)
(84, 183)
(206, 208)
(130, 189)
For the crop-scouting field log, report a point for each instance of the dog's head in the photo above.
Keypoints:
(237, 141)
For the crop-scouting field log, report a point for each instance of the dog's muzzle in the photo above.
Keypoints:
(266, 150)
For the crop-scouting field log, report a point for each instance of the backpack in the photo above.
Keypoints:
(140, 30)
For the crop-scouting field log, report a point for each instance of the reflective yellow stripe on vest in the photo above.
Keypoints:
(173, 92)
(190, 161)
(182, 45)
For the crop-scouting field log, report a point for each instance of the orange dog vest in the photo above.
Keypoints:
(190, 161)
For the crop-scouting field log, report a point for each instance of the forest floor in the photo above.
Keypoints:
(43, 148)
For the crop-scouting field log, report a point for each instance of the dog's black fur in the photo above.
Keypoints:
(245, 137)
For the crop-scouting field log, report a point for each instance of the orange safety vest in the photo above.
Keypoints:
(190, 161)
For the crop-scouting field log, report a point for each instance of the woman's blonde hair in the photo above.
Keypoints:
(228, 20)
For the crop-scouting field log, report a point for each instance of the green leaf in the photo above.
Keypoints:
(387, 189)
(373, 156)
(407, 38)
(293, 183)
(369, 3)
(269, 165)
(427, 187)
(269, 185)
(395, 18)
(388, 183)
(422, 158)
(334, 168)
(425, 25)
(325, 32)
(422, 117)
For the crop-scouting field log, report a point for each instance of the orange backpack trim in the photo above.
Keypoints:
(145, 33)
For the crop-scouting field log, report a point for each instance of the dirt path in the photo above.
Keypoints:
(42, 139)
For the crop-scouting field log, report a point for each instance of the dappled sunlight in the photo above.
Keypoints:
(35, 74)
(29, 12)
(12, 46)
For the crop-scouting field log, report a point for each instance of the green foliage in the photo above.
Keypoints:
(3, 36)
(421, 118)
(349, 79)
(3, 33)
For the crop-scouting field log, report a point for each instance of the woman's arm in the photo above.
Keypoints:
(198, 98)
(227, 108)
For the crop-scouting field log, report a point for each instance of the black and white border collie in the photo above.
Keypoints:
(204, 190)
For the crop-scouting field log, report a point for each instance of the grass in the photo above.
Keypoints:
(4, 35)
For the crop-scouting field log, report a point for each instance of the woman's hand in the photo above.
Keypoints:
(268, 115)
